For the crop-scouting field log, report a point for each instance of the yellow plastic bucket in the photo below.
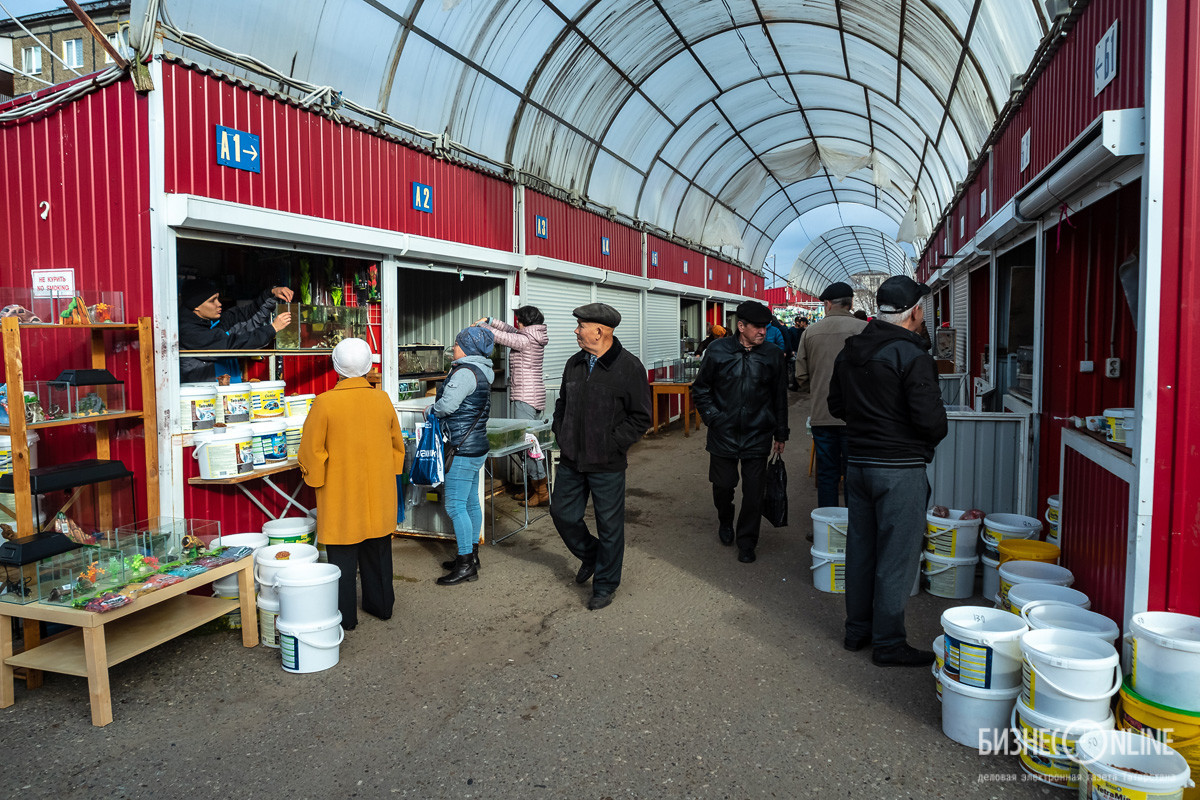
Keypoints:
(1028, 550)
(1175, 727)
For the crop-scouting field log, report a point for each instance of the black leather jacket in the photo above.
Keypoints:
(742, 397)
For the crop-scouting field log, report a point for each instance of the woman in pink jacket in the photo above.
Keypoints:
(527, 341)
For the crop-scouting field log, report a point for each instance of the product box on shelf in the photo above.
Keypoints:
(79, 393)
(81, 307)
(421, 359)
(171, 541)
(320, 326)
(74, 577)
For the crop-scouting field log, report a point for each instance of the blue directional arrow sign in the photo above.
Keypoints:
(238, 149)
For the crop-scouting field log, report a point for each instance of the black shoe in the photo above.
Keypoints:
(855, 643)
(599, 600)
(746, 556)
(902, 655)
(474, 557)
(725, 534)
(586, 569)
(464, 570)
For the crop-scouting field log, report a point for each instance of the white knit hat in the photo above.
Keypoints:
(352, 358)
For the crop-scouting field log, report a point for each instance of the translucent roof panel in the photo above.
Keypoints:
(660, 110)
(843, 254)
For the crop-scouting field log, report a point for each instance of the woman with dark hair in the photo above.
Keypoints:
(527, 341)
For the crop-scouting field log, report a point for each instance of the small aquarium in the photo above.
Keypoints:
(319, 326)
(421, 359)
(502, 433)
(170, 541)
(77, 576)
(79, 393)
(56, 307)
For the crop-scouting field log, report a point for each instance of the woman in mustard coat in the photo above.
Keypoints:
(351, 453)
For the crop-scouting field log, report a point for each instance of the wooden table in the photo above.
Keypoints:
(265, 476)
(105, 639)
(684, 390)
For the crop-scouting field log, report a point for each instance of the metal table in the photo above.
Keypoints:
(515, 452)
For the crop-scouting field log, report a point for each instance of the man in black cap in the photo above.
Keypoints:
(819, 346)
(885, 387)
(603, 408)
(203, 325)
(741, 394)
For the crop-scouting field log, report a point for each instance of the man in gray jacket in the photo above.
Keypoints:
(819, 346)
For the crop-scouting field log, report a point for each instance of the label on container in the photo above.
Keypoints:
(289, 651)
(199, 413)
(227, 459)
(236, 407)
(969, 664)
(269, 448)
(1098, 788)
(1028, 684)
(266, 403)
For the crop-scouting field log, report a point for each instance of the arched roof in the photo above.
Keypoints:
(720, 121)
(846, 254)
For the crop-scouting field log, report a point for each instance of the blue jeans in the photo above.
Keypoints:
(607, 549)
(535, 468)
(883, 542)
(831, 462)
(462, 500)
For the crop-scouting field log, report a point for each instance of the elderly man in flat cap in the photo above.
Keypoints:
(741, 394)
(603, 408)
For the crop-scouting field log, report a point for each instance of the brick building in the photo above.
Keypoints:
(61, 31)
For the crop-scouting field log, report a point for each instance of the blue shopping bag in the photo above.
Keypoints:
(428, 468)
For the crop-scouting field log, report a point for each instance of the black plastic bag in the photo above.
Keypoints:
(775, 502)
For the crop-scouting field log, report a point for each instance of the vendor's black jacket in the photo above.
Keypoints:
(885, 387)
(599, 415)
(742, 397)
(240, 328)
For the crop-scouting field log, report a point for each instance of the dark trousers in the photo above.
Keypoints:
(372, 559)
(607, 548)
(883, 544)
(723, 474)
(831, 462)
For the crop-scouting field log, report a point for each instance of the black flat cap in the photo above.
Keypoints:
(837, 291)
(899, 293)
(602, 313)
(753, 312)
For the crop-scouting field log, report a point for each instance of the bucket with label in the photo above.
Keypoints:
(310, 648)
(939, 661)
(1054, 520)
(1047, 744)
(1118, 425)
(983, 647)
(233, 404)
(297, 405)
(953, 536)
(1069, 675)
(1030, 572)
(829, 529)
(197, 406)
(1028, 550)
(828, 571)
(991, 576)
(998, 527)
(1166, 658)
(950, 577)
(224, 453)
(976, 717)
(308, 594)
(1127, 765)
(269, 443)
(290, 530)
(269, 561)
(1063, 616)
(268, 613)
(266, 400)
(232, 620)
(228, 586)
(1172, 726)
(292, 433)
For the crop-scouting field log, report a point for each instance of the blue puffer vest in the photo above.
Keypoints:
(476, 404)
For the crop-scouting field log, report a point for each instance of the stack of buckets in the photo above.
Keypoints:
(309, 624)
(1054, 520)
(297, 406)
(227, 588)
(981, 674)
(996, 529)
(950, 559)
(829, 549)
(267, 566)
(293, 530)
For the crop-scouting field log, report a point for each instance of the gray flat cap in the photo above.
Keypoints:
(598, 312)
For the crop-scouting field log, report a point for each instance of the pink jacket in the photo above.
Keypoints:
(528, 346)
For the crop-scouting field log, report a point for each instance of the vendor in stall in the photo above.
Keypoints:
(204, 326)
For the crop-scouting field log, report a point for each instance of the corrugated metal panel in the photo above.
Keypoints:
(979, 333)
(434, 306)
(671, 263)
(1094, 525)
(630, 305)
(575, 235)
(556, 299)
(960, 318)
(662, 328)
(314, 166)
(982, 463)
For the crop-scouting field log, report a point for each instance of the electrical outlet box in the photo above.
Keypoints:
(1112, 368)
(1086, 366)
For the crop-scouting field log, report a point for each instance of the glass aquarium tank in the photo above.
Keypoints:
(79, 393)
(320, 326)
(421, 359)
(74, 577)
(170, 541)
(49, 307)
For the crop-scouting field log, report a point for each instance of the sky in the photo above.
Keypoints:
(20, 8)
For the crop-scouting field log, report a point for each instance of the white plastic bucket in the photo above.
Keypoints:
(310, 648)
(1054, 520)
(266, 400)
(297, 405)
(1022, 594)
(1030, 572)
(1069, 675)
(976, 717)
(308, 594)
(233, 403)
(269, 443)
(1125, 764)
(31, 440)
(939, 660)
(829, 529)
(267, 566)
(224, 453)
(1047, 744)
(1063, 616)
(1118, 422)
(228, 586)
(268, 613)
(293, 431)
(290, 530)
(953, 536)
(828, 571)
(1166, 658)
(950, 577)
(998, 527)
(233, 620)
(991, 576)
(983, 647)
(197, 406)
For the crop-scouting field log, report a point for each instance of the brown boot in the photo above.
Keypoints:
(539, 494)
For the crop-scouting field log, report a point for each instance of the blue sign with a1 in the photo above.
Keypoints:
(238, 149)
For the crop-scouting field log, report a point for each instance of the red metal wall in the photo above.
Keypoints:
(574, 235)
(316, 167)
(88, 161)
(670, 263)
(1175, 527)
(1095, 530)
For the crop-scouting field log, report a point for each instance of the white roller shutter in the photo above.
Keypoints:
(629, 303)
(960, 303)
(556, 299)
(662, 328)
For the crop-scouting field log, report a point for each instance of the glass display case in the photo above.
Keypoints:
(502, 433)
(171, 541)
(50, 307)
(78, 393)
(320, 326)
(74, 577)
(421, 359)
(675, 370)
(70, 498)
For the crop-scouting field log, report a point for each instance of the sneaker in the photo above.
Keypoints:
(902, 655)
